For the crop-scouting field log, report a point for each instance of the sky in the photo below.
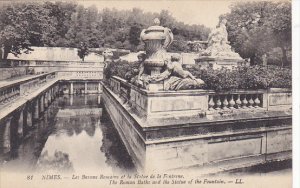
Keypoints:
(190, 12)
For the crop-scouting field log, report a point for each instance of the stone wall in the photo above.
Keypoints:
(160, 137)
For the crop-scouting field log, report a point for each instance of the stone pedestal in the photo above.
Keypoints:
(155, 87)
(218, 63)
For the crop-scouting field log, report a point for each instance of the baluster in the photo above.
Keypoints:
(5, 97)
(211, 103)
(251, 102)
(238, 102)
(14, 95)
(244, 102)
(9, 95)
(256, 101)
(231, 103)
(218, 103)
(225, 103)
(1, 97)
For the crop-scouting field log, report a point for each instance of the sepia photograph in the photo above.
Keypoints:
(147, 93)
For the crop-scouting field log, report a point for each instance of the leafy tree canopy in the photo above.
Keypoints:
(256, 28)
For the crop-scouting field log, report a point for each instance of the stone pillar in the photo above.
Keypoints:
(99, 88)
(52, 94)
(21, 124)
(42, 104)
(71, 100)
(46, 100)
(85, 87)
(49, 97)
(85, 99)
(99, 99)
(71, 89)
(29, 118)
(36, 110)
(6, 136)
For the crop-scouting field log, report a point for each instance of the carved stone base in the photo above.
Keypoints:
(155, 86)
(219, 62)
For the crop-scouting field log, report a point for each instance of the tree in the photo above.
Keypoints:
(23, 25)
(134, 35)
(256, 28)
(82, 51)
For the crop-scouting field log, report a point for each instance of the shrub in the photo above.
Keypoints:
(122, 69)
(242, 77)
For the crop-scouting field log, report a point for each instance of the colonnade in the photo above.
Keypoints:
(19, 122)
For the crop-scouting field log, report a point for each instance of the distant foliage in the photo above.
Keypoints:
(67, 24)
(243, 77)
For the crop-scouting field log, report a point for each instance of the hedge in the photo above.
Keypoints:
(242, 77)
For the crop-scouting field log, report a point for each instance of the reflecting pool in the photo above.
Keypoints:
(71, 137)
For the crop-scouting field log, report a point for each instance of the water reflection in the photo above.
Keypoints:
(70, 138)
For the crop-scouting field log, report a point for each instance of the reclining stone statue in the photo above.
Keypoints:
(173, 76)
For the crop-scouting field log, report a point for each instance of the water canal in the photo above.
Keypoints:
(74, 135)
(71, 136)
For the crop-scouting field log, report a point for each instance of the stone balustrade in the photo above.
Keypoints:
(201, 101)
(23, 87)
(8, 94)
(84, 74)
(236, 100)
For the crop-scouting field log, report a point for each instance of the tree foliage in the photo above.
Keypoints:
(256, 28)
(67, 24)
(23, 25)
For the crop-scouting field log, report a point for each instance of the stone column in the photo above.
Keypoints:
(29, 118)
(49, 97)
(99, 99)
(42, 104)
(85, 87)
(71, 89)
(71, 100)
(52, 94)
(6, 136)
(46, 100)
(99, 88)
(85, 99)
(21, 123)
(36, 109)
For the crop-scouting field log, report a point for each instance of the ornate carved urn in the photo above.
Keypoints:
(157, 39)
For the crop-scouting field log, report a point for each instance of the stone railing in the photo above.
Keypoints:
(239, 99)
(84, 74)
(201, 101)
(11, 91)
(30, 85)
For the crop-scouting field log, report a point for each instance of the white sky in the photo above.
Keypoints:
(190, 12)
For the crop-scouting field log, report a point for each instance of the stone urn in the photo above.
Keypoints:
(157, 39)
